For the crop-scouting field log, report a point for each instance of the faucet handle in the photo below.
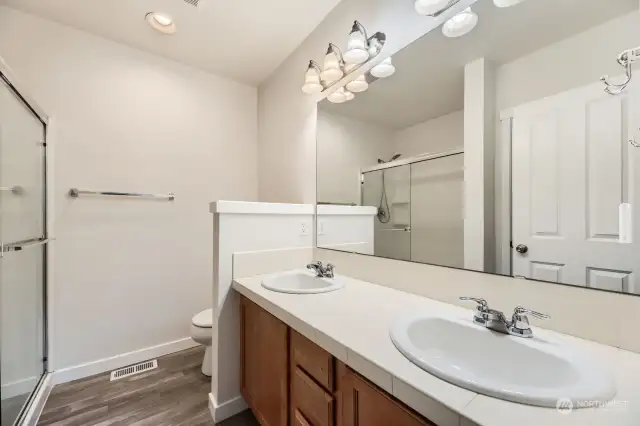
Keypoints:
(482, 304)
(329, 270)
(520, 311)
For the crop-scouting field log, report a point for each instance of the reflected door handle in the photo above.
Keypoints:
(522, 249)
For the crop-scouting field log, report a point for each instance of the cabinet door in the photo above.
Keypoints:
(363, 404)
(264, 346)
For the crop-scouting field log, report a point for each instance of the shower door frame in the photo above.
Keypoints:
(38, 397)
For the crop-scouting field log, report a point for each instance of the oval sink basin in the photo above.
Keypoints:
(527, 371)
(301, 282)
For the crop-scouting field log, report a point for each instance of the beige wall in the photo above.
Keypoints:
(130, 274)
(345, 146)
(436, 135)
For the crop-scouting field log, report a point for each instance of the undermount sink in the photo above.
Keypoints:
(301, 282)
(528, 371)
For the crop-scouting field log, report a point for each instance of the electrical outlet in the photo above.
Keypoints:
(304, 229)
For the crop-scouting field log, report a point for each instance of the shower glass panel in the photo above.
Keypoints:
(389, 191)
(22, 261)
(437, 229)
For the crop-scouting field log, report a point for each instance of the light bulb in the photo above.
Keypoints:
(338, 97)
(358, 85)
(430, 7)
(312, 84)
(507, 3)
(162, 19)
(332, 71)
(349, 96)
(383, 69)
(356, 48)
(460, 24)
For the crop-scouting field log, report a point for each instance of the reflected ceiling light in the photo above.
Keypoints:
(460, 24)
(160, 22)
(357, 46)
(384, 69)
(358, 85)
(432, 7)
(349, 96)
(333, 65)
(338, 97)
(312, 84)
(507, 3)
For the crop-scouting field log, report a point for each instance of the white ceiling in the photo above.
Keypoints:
(429, 78)
(245, 40)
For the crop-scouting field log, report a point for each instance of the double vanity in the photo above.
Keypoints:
(321, 350)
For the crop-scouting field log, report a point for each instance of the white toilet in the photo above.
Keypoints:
(202, 332)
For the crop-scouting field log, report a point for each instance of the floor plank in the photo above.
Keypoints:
(174, 394)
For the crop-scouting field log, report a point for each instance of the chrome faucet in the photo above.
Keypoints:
(322, 271)
(494, 320)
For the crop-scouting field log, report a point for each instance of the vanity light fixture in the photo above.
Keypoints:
(312, 84)
(348, 95)
(507, 3)
(333, 69)
(358, 45)
(161, 22)
(338, 97)
(433, 7)
(384, 69)
(460, 24)
(358, 85)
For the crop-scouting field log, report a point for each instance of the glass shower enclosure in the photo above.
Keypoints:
(23, 240)
(420, 208)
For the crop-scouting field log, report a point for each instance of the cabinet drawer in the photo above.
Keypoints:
(310, 357)
(309, 402)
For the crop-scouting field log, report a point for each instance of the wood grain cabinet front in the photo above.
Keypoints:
(314, 404)
(264, 364)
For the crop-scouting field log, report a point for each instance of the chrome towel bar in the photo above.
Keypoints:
(75, 193)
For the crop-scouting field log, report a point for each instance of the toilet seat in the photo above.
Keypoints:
(203, 319)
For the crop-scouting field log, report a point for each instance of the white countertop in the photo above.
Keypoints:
(353, 324)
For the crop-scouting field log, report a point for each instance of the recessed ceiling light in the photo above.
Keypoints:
(161, 22)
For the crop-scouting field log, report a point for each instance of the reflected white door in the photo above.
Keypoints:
(572, 167)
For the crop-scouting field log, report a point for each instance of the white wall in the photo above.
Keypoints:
(129, 274)
(436, 135)
(287, 117)
(345, 146)
(570, 63)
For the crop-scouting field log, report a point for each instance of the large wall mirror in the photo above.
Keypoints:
(498, 151)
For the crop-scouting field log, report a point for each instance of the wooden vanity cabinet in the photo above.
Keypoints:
(288, 380)
(264, 343)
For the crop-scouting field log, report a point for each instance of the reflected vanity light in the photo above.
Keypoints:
(432, 7)
(358, 85)
(384, 69)
(338, 97)
(360, 50)
(461, 24)
(312, 84)
(506, 3)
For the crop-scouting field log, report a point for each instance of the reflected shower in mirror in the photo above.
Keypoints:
(496, 149)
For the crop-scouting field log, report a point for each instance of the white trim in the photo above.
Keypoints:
(247, 207)
(32, 416)
(334, 210)
(107, 364)
(220, 412)
(52, 127)
(19, 387)
(503, 197)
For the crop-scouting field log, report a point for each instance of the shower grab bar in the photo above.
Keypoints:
(16, 190)
(22, 245)
(75, 193)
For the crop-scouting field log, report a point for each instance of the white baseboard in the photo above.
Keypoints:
(39, 400)
(220, 412)
(107, 364)
(19, 387)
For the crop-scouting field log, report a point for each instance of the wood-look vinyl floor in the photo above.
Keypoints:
(174, 394)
